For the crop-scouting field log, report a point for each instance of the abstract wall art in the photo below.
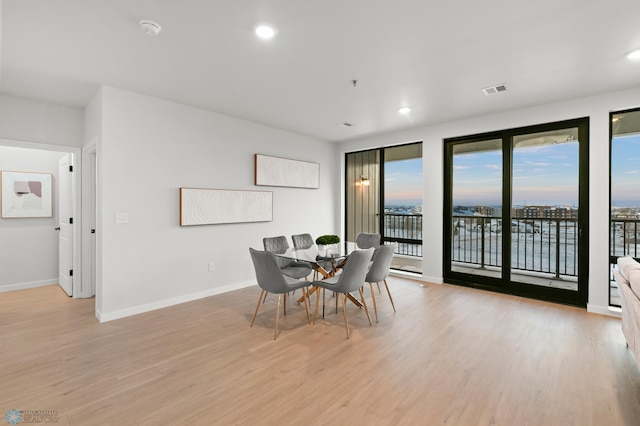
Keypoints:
(276, 171)
(26, 194)
(217, 206)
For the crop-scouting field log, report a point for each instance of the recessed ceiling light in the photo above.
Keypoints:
(265, 32)
(150, 27)
(404, 110)
(634, 56)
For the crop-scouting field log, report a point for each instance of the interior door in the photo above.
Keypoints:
(65, 223)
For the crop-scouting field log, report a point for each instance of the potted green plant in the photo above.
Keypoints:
(325, 242)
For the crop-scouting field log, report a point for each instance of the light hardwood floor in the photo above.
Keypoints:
(451, 355)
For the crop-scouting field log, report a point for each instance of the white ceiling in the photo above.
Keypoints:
(434, 56)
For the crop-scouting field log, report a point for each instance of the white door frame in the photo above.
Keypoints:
(89, 215)
(77, 237)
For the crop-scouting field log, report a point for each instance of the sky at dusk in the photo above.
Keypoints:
(403, 182)
(625, 171)
(542, 175)
(545, 175)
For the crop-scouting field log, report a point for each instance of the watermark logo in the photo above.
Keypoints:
(13, 417)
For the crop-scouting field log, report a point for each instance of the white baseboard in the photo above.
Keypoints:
(32, 284)
(415, 277)
(134, 310)
(433, 280)
(604, 310)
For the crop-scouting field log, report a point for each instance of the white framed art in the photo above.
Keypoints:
(276, 171)
(201, 206)
(26, 194)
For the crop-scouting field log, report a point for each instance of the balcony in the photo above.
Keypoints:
(539, 245)
(544, 251)
(406, 230)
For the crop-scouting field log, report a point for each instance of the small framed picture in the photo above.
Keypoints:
(26, 194)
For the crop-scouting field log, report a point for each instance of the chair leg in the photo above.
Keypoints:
(390, 298)
(315, 314)
(366, 310)
(336, 296)
(323, 300)
(344, 313)
(373, 297)
(285, 303)
(275, 333)
(262, 293)
(379, 291)
(305, 293)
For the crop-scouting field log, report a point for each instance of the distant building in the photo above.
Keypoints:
(545, 212)
(484, 210)
(625, 213)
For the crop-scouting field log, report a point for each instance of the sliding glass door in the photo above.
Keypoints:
(517, 216)
(624, 227)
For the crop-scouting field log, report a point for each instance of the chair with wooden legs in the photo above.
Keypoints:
(288, 267)
(379, 271)
(365, 241)
(351, 279)
(305, 241)
(271, 280)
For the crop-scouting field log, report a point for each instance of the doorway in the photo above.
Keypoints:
(384, 190)
(516, 211)
(28, 150)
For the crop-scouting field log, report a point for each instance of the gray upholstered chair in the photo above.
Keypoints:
(271, 280)
(288, 267)
(365, 241)
(305, 241)
(302, 241)
(351, 279)
(379, 271)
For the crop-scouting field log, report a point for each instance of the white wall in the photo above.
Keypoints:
(33, 121)
(596, 108)
(147, 149)
(29, 247)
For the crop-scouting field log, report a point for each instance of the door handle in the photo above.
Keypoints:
(57, 229)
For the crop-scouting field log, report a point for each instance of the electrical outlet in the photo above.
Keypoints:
(212, 266)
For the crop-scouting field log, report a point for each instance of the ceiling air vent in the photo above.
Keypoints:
(492, 90)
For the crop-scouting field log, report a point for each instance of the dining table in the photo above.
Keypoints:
(326, 260)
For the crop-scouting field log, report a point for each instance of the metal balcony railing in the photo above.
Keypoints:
(406, 230)
(537, 244)
(625, 238)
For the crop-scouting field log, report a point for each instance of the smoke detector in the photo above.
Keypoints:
(492, 90)
(150, 27)
(344, 124)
